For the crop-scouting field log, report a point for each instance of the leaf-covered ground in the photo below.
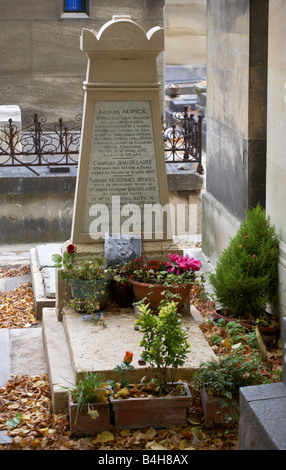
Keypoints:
(17, 308)
(25, 405)
(25, 402)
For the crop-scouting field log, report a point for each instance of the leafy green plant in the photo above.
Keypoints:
(246, 275)
(165, 344)
(88, 279)
(215, 339)
(224, 377)
(88, 269)
(238, 332)
(180, 270)
(89, 389)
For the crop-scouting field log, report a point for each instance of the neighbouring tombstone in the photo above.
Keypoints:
(121, 165)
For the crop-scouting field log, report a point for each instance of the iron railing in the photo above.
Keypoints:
(183, 139)
(39, 144)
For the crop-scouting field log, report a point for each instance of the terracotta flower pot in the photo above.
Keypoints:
(215, 415)
(154, 292)
(133, 413)
(82, 423)
(122, 294)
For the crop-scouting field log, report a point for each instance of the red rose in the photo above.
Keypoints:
(128, 357)
(71, 249)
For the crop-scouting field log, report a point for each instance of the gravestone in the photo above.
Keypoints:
(121, 165)
(263, 411)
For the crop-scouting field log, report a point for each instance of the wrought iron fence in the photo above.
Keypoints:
(183, 139)
(39, 144)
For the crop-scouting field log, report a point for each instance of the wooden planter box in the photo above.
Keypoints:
(81, 423)
(214, 414)
(133, 413)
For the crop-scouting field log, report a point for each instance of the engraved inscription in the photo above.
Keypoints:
(122, 159)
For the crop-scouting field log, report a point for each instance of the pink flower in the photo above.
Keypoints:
(195, 265)
(174, 257)
(182, 265)
(190, 262)
(171, 270)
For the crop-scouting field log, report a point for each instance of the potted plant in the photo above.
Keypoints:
(88, 279)
(88, 405)
(153, 279)
(219, 382)
(246, 277)
(121, 290)
(160, 401)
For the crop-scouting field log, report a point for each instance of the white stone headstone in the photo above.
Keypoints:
(122, 154)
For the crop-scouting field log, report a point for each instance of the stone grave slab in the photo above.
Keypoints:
(98, 348)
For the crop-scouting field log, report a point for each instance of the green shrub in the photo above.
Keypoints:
(246, 276)
(165, 343)
(224, 377)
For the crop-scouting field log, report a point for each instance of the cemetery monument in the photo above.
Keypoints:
(121, 166)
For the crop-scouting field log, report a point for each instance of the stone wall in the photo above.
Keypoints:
(276, 139)
(185, 32)
(39, 209)
(235, 117)
(36, 209)
(42, 67)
